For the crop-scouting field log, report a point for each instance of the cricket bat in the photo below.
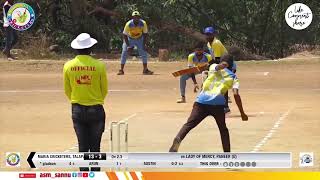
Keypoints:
(193, 70)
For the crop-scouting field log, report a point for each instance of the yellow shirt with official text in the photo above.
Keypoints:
(85, 80)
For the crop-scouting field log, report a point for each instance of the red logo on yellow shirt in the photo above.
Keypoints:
(84, 79)
(136, 32)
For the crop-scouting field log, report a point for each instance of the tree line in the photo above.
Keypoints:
(258, 27)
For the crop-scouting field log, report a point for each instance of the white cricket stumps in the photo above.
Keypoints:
(117, 127)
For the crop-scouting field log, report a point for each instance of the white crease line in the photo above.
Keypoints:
(263, 141)
(129, 117)
(271, 131)
(269, 135)
(55, 91)
(102, 140)
(266, 73)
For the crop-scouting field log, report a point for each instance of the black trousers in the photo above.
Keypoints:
(11, 39)
(226, 97)
(89, 124)
(200, 112)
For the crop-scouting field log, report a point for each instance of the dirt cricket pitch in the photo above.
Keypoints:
(35, 114)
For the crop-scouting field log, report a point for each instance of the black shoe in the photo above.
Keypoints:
(147, 72)
(175, 146)
(181, 100)
(11, 58)
(227, 110)
(121, 72)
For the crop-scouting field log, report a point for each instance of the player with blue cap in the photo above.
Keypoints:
(217, 50)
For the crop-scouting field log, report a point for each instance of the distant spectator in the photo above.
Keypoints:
(10, 33)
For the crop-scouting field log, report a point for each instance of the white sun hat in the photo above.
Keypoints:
(83, 41)
(136, 13)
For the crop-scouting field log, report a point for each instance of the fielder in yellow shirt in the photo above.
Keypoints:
(86, 86)
(135, 34)
(216, 48)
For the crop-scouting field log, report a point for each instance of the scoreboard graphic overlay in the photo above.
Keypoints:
(160, 160)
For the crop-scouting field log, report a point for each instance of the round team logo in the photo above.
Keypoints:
(13, 159)
(91, 174)
(21, 16)
(306, 159)
(298, 16)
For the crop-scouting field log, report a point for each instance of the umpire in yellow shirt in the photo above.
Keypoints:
(86, 86)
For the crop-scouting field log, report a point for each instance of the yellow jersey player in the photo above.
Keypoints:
(198, 57)
(135, 34)
(217, 50)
